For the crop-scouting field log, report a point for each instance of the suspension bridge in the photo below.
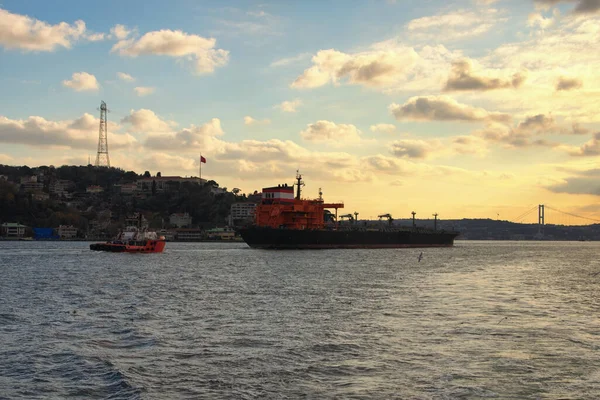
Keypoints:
(544, 214)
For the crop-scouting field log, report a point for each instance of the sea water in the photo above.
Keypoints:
(508, 320)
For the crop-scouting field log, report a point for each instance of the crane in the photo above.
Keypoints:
(349, 216)
(388, 216)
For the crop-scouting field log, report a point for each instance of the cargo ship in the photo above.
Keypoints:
(285, 221)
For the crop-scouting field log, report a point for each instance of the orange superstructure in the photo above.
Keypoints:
(280, 209)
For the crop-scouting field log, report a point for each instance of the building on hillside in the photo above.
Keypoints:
(61, 187)
(169, 235)
(94, 189)
(67, 232)
(3, 178)
(165, 183)
(13, 230)
(126, 188)
(28, 179)
(40, 196)
(220, 234)
(180, 220)
(31, 184)
(138, 220)
(189, 235)
(241, 213)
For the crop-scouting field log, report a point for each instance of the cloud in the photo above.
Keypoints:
(177, 44)
(584, 182)
(565, 83)
(81, 133)
(143, 90)
(582, 7)
(289, 60)
(120, 32)
(95, 37)
(462, 78)
(144, 120)
(194, 138)
(413, 148)
(371, 68)
(453, 26)
(442, 108)
(30, 34)
(82, 81)
(523, 135)
(125, 77)
(538, 20)
(385, 128)
(471, 145)
(249, 121)
(332, 133)
(289, 106)
(590, 148)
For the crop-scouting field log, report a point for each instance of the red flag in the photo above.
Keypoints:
(202, 160)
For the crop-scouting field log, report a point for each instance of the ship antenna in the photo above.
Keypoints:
(299, 184)
(320, 194)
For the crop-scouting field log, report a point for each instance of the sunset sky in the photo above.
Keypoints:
(468, 108)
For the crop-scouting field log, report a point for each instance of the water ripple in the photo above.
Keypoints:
(482, 320)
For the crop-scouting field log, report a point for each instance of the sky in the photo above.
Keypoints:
(467, 108)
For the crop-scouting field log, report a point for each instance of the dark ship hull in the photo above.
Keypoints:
(273, 238)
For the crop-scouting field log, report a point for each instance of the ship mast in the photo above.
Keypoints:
(299, 183)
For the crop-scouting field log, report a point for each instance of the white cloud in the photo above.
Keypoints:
(143, 90)
(442, 108)
(464, 77)
(248, 120)
(537, 20)
(413, 148)
(289, 60)
(331, 133)
(385, 128)
(81, 133)
(289, 106)
(372, 68)
(95, 37)
(125, 77)
(178, 44)
(390, 65)
(120, 32)
(30, 34)
(144, 121)
(82, 81)
(453, 26)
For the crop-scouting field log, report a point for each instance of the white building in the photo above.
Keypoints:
(94, 189)
(12, 229)
(61, 187)
(67, 232)
(127, 188)
(162, 182)
(31, 184)
(241, 212)
(180, 220)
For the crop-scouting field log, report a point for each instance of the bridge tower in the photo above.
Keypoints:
(541, 219)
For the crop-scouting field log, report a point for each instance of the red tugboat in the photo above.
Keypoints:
(133, 240)
(283, 221)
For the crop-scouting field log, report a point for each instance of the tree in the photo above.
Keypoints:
(158, 175)
(147, 174)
